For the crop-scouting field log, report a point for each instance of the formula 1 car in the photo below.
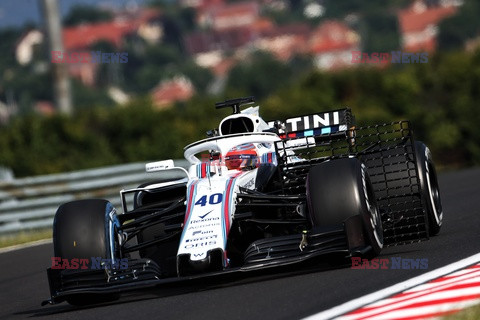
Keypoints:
(257, 195)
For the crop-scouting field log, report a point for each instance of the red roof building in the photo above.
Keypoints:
(332, 44)
(222, 68)
(83, 37)
(227, 16)
(171, 91)
(419, 25)
(201, 4)
(285, 41)
(203, 41)
(44, 107)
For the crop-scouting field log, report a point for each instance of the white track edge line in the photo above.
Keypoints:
(396, 288)
(25, 245)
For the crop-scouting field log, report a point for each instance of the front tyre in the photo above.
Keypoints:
(84, 229)
(340, 189)
(429, 187)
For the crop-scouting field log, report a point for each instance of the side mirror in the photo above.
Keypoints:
(159, 165)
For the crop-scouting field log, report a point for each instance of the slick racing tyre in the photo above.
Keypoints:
(429, 185)
(340, 189)
(84, 229)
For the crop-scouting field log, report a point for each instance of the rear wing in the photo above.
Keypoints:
(323, 123)
(387, 151)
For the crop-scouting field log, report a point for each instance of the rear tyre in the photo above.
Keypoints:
(340, 189)
(430, 189)
(84, 229)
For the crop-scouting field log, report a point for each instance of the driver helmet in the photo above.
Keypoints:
(242, 157)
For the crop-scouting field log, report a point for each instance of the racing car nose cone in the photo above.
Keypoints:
(212, 262)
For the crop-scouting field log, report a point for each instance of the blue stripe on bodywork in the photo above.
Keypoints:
(110, 225)
(189, 209)
(229, 200)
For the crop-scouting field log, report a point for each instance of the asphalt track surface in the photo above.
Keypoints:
(23, 281)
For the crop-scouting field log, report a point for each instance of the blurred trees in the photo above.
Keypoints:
(9, 39)
(149, 64)
(376, 22)
(259, 76)
(79, 14)
(439, 97)
(340, 9)
(263, 74)
(20, 85)
(463, 26)
(379, 31)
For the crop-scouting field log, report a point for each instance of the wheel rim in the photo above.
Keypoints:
(434, 193)
(374, 216)
(375, 220)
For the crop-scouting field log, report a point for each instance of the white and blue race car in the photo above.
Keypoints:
(256, 195)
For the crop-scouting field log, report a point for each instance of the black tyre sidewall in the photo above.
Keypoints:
(339, 189)
(80, 229)
(371, 216)
(426, 167)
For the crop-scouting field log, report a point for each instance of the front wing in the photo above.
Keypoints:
(311, 247)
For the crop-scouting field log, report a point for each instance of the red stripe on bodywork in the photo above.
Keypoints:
(226, 206)
(204, 170)
(190, 200)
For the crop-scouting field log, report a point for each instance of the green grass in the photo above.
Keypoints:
(24, 237)
(472, 313)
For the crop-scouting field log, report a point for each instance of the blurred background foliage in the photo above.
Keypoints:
(440, 98)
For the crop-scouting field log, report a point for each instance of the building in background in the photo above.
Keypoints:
(170, 91)
(419, 24)
(284, 42)
(332, 44)
(144, 23)
(24, 51)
